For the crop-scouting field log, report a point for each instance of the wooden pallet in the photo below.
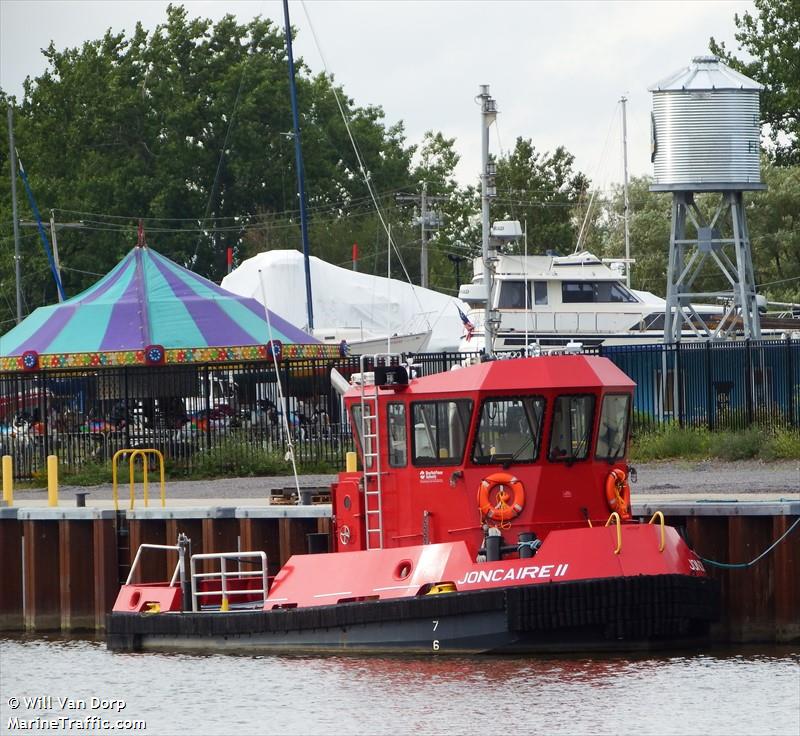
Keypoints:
(288, 496)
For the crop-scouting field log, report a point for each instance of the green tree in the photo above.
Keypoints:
(541, 190)
(771, 38)
(773, 224)
(773, 218)
(186, 127)
(649, 226)
(452, 211)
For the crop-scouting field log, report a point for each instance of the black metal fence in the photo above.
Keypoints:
(727, 385)
(232, 417)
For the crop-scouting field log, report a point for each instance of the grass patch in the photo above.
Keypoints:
(668, 442)
(690, 443)
(782, 445)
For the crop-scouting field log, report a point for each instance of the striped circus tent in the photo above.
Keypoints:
(147, 300)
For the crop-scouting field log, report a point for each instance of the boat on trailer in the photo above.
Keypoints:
(489, 513)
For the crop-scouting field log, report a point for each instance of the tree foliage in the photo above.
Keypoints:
(771, 38)
(773, 223)
(540, 190)
(188, 127)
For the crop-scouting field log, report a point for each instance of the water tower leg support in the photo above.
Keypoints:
(744, 267)
(687, 258)
(673, 318)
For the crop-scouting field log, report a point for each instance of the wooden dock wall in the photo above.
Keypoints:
(62, 567)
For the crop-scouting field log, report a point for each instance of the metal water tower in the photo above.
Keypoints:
(705, 138)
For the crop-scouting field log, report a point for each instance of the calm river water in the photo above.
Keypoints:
(735, 691)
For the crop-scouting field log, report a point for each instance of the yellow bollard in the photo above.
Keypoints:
(52, 480)
(351, 462)
(8, 480)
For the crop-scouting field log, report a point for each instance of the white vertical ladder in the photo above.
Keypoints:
(370, 437)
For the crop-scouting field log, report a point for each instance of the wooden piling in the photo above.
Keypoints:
(105, 566)
(786, 586)
(11, 618)
(146, 530)
(41, 574)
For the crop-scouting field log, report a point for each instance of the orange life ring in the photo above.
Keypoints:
(618, 493)
(507, 506)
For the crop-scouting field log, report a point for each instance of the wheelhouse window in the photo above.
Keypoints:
(398, 440)
(572, 425)
(582, 292)
(612, 434)
(440, 431)
(509, 430)
(517, 294)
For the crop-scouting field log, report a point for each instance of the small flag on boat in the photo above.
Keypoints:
(468, 326)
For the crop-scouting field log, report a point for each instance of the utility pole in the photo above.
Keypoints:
(422, 201)
(55, 250)
(624, 100)
(488, 191)
(423, 256)
(54, 227)
(12, 160)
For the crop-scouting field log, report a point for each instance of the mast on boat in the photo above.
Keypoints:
(298, 155)
(488, 191)
(623, 102)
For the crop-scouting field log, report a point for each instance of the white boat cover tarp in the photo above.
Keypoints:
(360, 304)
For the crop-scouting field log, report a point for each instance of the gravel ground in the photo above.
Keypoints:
(687, 478)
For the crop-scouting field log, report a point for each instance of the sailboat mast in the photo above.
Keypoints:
(298, 155)
(623, 101)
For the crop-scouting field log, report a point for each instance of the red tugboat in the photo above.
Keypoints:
(491, 514)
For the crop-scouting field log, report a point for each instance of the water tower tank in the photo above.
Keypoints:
(706, 126)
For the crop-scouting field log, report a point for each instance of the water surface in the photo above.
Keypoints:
(732, 691)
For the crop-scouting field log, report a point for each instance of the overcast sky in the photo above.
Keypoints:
(556, 69)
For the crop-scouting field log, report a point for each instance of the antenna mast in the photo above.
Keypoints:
(488, 191)
(623, 101)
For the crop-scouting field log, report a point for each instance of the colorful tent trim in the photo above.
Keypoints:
(181, 356)
(147, 299)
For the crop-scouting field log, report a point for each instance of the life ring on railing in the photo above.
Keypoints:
(508, 505)
(618, 493)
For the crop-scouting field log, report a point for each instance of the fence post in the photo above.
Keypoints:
(127, 410)
(709, 389)
(207, 387)
(790, 381)
(43, 392)
(678, 384)
(748, 387)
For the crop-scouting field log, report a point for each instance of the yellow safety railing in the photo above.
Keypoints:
(143, 453)
(660, 517)
(618, 522)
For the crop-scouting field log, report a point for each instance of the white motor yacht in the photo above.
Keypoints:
(554, 300)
